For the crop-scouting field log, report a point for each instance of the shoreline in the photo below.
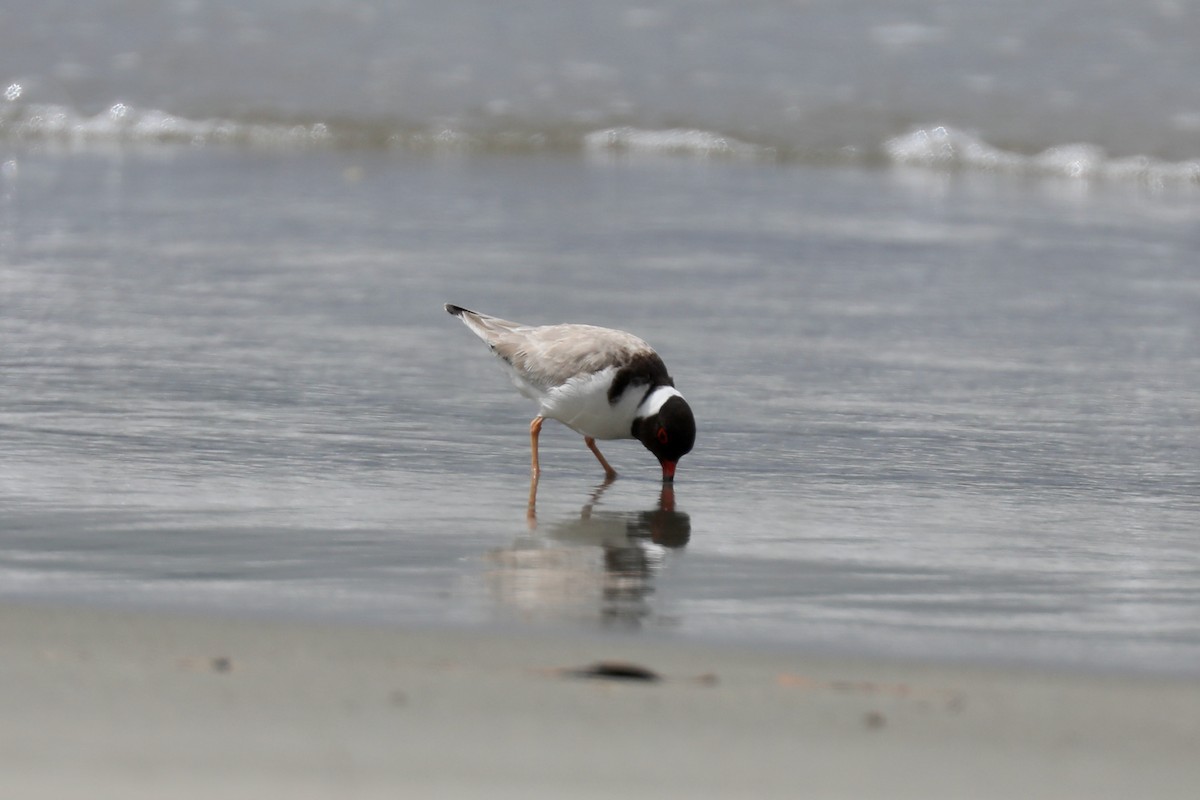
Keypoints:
(133, 704)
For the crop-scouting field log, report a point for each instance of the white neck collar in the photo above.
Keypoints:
(654, 401)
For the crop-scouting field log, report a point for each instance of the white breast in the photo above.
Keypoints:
(582, 405)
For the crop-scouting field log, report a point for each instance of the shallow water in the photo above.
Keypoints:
(949, 415)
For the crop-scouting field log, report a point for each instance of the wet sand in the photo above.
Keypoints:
(131, 705)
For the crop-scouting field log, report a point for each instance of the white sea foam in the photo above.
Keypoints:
(672, 141)
(944, 147)
(940, 147)
(122, 123)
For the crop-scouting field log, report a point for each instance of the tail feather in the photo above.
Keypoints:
(488, 328)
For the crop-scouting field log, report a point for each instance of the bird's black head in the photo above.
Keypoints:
(669, 433)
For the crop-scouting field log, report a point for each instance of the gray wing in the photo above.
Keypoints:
(550, 355)
(553, 354)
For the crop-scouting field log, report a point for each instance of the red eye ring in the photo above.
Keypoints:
(661, 436)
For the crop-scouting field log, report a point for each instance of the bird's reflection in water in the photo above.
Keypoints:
(598, 565)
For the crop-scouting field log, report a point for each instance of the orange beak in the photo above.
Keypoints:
(668, 471)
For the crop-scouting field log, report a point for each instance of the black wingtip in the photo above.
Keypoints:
(457, 311)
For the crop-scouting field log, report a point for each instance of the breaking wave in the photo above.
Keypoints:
(673, 141)
(937, 147)
(947, 148)
(124, 124)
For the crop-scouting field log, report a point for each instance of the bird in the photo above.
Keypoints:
(599, 382)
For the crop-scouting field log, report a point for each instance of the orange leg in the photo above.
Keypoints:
(609, 472)
(535, 428)
(531, 509)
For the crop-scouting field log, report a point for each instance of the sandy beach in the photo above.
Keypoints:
(131, 705)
